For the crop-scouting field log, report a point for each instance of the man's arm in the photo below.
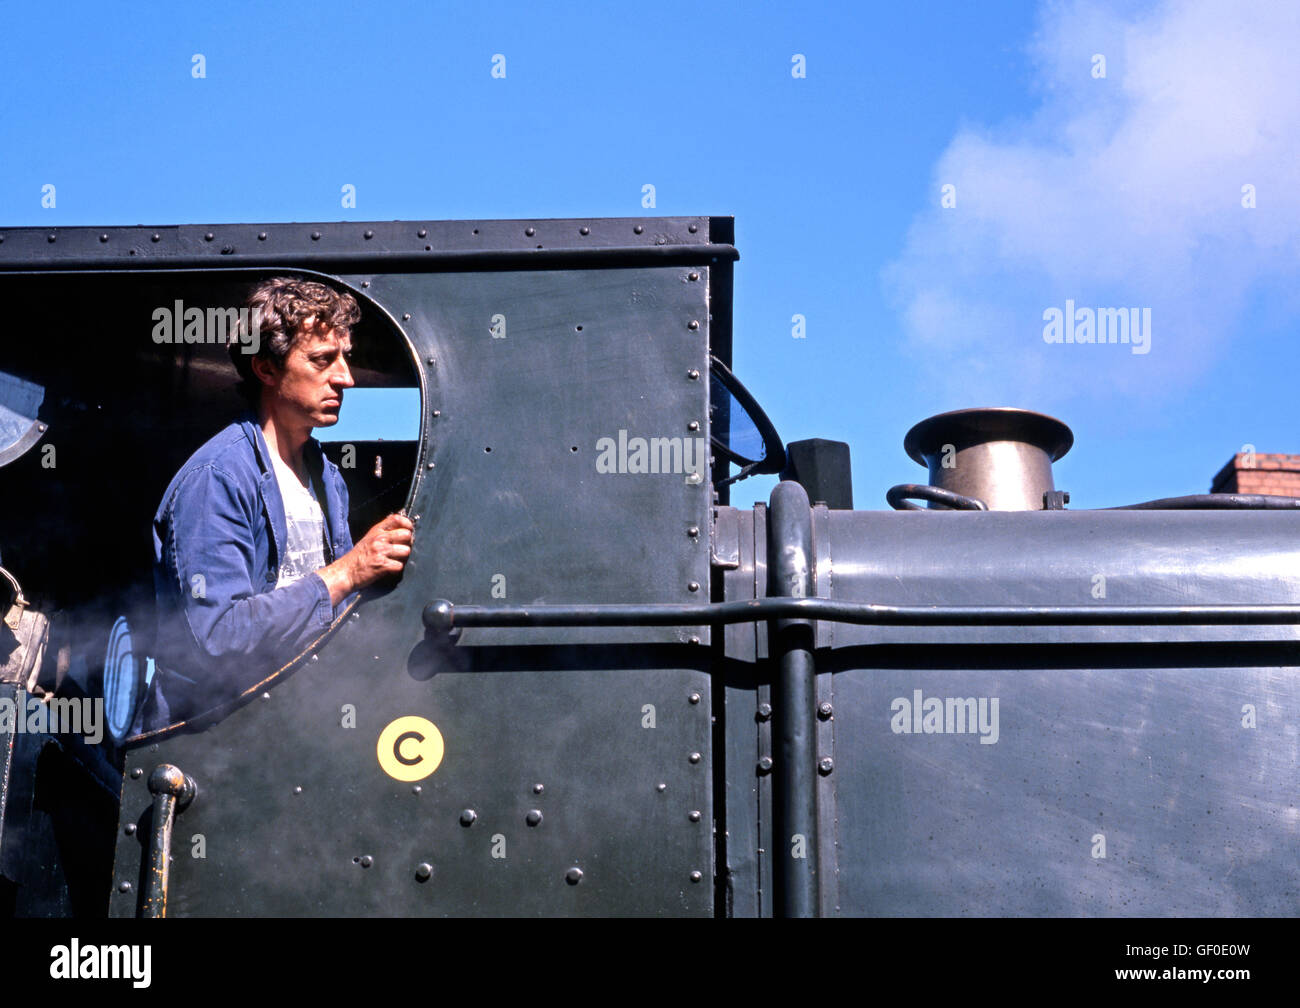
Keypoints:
(211, 559)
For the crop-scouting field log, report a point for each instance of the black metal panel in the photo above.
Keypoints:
(824, 734)
(393, 246)
(586, 353)
(297, 817)
(1123, 782)
(1138, 769)
(1179, 758)
(747, 720)
(514, 509)
(1074, 558)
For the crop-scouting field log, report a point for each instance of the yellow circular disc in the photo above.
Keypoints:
(410, 748)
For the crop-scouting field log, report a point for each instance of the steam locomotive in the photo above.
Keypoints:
(598, 687)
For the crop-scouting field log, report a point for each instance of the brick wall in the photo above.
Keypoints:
(1269, 474)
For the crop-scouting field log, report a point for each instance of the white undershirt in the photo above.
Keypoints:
(305, 550)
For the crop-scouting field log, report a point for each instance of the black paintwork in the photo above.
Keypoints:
(553, 796)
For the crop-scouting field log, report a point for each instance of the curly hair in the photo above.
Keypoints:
(280, 307)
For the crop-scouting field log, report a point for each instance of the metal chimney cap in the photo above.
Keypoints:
(962, 428)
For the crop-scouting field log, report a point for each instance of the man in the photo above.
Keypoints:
(253, 559)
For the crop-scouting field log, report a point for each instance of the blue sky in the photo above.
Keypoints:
(1122, 190)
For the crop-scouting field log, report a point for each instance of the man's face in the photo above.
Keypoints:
(310, 387)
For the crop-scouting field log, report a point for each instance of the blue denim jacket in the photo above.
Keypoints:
(220, 531)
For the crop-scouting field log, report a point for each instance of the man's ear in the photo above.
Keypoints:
(265, 370)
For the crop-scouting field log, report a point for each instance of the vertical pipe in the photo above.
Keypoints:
(789, 564)
(172, 790)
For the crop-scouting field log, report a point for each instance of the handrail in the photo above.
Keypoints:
(443, 616)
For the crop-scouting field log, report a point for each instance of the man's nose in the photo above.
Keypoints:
(342, 375)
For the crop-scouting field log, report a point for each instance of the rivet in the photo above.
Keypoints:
(694, 425)
(137, 773)
(694, 638)
(694, 698)
(227, 250)
(693, 228)
(637, 229)
(692, 276)
(42, 428)
(414, 518)
(692, 374)
(356, 615)
(530, 231)
(825, 765)
(209, 236)
(130, 829)
(315, 657)
(423, 871)
(261, 236)
(538, 788)
(584, 230)
(661, 787)
(52, 238)
(693, 532)
(825, 710)
(693, 324)
(764, 764)
(764, 711)
(437, 412)
(468, 816)
(365, 283)
(368, 235)
(429, 466)
(694, 816)
(693, 586)
(428, 360)
(298, 789)
(266, 696)
(315, 236)
(416, 789)
(573, 876)
(696, 876)
(124, 887)
(367, 861)
(534, 817)
(103, 238)
(155, 238)
(406, 316)
(695, 757)
(422, 233)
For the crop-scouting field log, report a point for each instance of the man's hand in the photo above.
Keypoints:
(381, 552)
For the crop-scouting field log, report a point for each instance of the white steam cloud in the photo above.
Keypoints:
(1121, 191)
